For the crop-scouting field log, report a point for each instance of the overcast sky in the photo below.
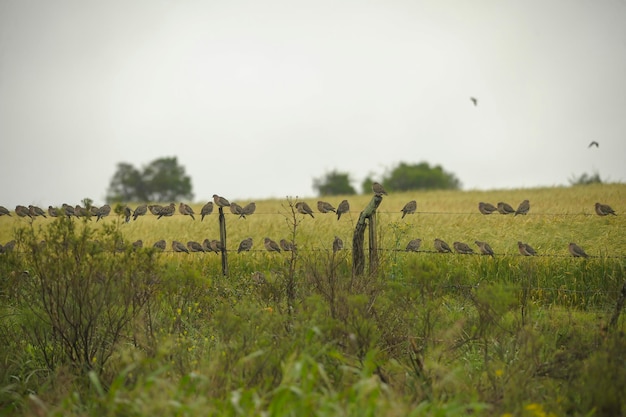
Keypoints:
(257, 98)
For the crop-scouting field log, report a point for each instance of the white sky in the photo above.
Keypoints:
(257, 98)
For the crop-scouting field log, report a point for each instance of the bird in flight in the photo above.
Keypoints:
(474, 100)
(594, 143)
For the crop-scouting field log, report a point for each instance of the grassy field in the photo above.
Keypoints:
(96, 332)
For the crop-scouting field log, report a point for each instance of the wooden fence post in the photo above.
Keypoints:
(358, 253)
(223, 241)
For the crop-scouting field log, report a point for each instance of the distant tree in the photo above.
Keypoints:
(586, 179)
(161, 181)
(333, 183)
(422, 176)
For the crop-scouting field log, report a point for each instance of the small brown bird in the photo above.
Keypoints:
(504, 208)
(523, 208)
(409, 208)
(154, 209)
(216, 245)
(604, 210)
(22, 211)
(93, 210)
(303, 208)
(236, 209)
(442, 246)
(160, 245)
(206, 210)
(167, 211)
(194, 246)
(270, 245)
(141, 210)
(206, 244)
(179, 247)
(127, 214)
(36, 211)
(343, 207)
(53, 211)
(287, 246)
(414, 245)
(337, 244)
(81, 211)
(486, 208)
(324, 207)
(220, 201)
(577, 251)
(245, 245)
(525, 249)
(68, 210)
(484, 247)
(378, 188)
(186, 210)
(103, 212)
(137, 244)
(462, 248)
(4, 211)
(248, 209)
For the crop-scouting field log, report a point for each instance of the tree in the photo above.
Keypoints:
(333, 183)
(422, 176)
(161, 181)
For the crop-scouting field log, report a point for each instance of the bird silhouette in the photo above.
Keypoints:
(337, 244)
(103, 212)
(474, 100)
(160, 245)
(194, 246)
(179, 247)
(486, 208)
(248, 209)
(245, 245)
(504, 208)
(409, 208)
(523, 208)
(594, 143)
(324, 207)
(577, 251)
(343, 207)
(206, 210)
(303, 208)
(378, 189)
(413, 245)
(442, 246)
(4, 211)
(462, 248)
(525, 249)
(220, 201)
(270, 245)
(186, 210)
(484, 247)
(604, 210)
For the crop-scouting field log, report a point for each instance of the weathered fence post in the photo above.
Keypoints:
(223, 241)
(358, 253)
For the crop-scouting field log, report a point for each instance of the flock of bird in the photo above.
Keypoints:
(270, 245)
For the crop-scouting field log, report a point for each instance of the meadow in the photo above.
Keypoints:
(91, 330)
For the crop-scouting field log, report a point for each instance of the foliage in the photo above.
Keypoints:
(333, 183)
(586, 179)
(422, 176)
(162, 180)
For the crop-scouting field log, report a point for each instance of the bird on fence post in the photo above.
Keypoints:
(409, 208)
(462, 248)
(142, 209)
(577, 251)
(245, 245)
(604, 210)
(484, 247)
(441, 246)
(186, 210)
(343, 207)
(525, 249)
(504, 208)
(523, 208)
(270, 245)
(206, 210)
(220, 201)
(486, 208)
(337, 244)
(324, 207)
(303, 208)
(414, 245)
(378, 188)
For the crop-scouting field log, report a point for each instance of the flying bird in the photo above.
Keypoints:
(186, 210)
(409, 208)
(303, 208)
(378, 188)
(525, 249)
(236, 209)
(337, 244)
(504, 208)
(220, 201)
(343, 207)
(413, 245)
(270, 245)
(604, 210)
(245, 245)
(462, 248)
(441, 246)
(206, 210)
(523, 208)
(248, 209)
(486, 208)
(484, 247)
(179, 247)
(324, 207)
(577, 251)
(474, 100)
(594, 143)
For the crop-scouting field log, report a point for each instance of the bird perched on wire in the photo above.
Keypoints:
(303, 208)
(220, 201)
(137, 244)
(160, 244)
(245, 245)
(413, 245)
(236, 209)
(378, 189)
(167, 211)
(67, 210)
(604, 210)
(179, 247)
(409, 208)
(194, 246)
(270, 245)
(127, 212)
(484, 247)
(594, 143)
(523, 208)
(287, 246)
(52, 211)
(36, 211)
(324, 207)
(4, 211)
(216, 245)
(22, 211)
(206, 210)
(103, 212)
(248, 209)
(142, 209)
(441, 246)
(186, 210)
(486, 208)
(154, 209)
(504, 208)
(462, 248)
(81, 212)
(343, 207)
(337, 244)
(525, 249)
(577, 251)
